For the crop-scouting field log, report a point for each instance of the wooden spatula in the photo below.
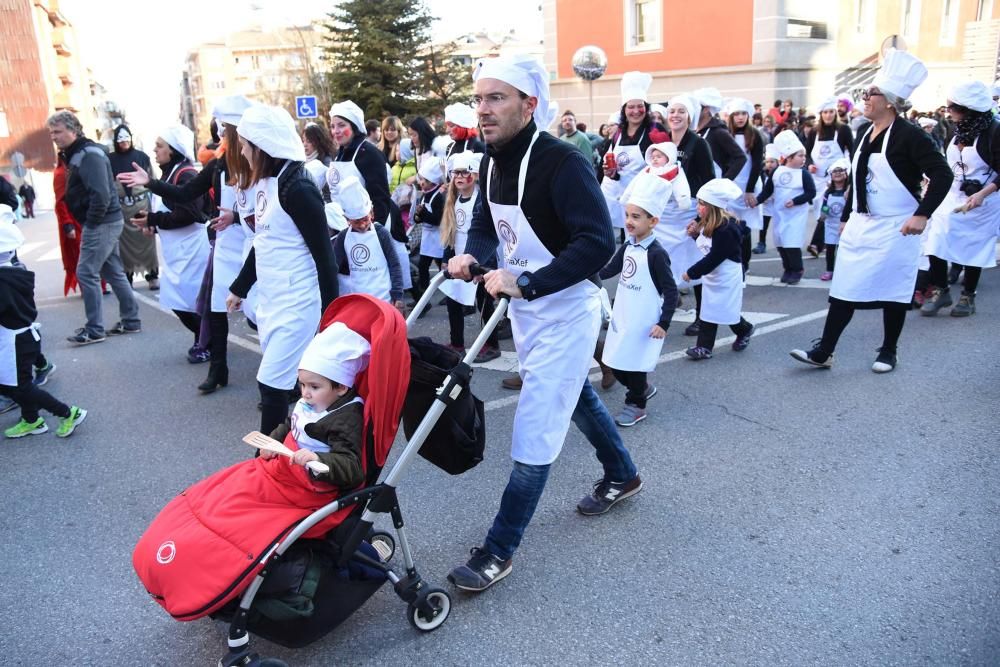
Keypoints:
(263, 442)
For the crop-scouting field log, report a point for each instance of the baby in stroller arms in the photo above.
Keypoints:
(327, 422)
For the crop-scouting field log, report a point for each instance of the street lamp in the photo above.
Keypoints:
(590, 63)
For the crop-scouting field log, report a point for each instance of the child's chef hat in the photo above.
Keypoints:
(719, 192)
(466, 161)
(771, 152)
(841, 163)
(668, 148)
(353, 198)
(787, 143)
(649, 194)
(431, 171)
(337, 353)
(11, 237)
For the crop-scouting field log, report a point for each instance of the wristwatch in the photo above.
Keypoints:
(524, 284)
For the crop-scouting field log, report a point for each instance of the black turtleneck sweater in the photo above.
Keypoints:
(563, 205)
(725, 151)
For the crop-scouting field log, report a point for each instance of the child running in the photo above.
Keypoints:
(20, 343)
(833, 205)
(719, 237)
(644, 302)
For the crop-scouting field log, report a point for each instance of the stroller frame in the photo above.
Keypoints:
(427, 607)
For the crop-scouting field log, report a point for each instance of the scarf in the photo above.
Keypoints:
(974, 124)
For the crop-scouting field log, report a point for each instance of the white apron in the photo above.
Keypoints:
(672, 234)
(227, 260)
(245, 209)
(875, 262)
(628, 346)
(430, 236)
(338, 171)
(788, 224)
(767, 208)
(831, 226)
(823, 154)
(288, 297)
(403, 254)
(368, 266)
(966, 238)
(185, 259)
(721, 290)
(459, 290)
(630, 161)
(302, 415)
(753, 216)
(554, 336)
(8, 354)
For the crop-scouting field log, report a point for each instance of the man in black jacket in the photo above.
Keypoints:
(28, 195)
(93, 200)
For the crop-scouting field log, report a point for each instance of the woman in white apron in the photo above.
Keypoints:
(695, 158)
(830, 141)
(720, 243)
(752, 144)
(624, 159)
(292, 259)
(183, 238)
(879, 250)
(964, 228)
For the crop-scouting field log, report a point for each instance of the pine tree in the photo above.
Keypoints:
(446, 79)
(372, 47)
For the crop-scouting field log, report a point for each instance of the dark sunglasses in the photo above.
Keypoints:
(866, 94)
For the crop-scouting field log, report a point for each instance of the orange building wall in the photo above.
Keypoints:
(696, 34)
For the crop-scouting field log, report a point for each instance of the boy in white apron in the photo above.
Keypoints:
(720, 240)
(427, 214)
(834, 200)
(644, 302)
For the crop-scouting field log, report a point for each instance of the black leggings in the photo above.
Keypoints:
(746, 250)
(938, 275)
(840, 314)
(818, 234)
(791, 259)
(709, 330)
(762, 234)
(456, 318)
(424, 270)
(273, 407)
(218, 344)
(635, 386)
(191, 322)
(26, 394)
(831, 256)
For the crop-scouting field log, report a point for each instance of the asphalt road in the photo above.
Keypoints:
(790, 516)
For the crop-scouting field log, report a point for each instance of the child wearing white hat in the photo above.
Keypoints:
(720, 240)
(834, 200)
(771, 156)
(19, 343)
(661, 161)
(326, 424)
(427, 213)
(366, 257)
(645, 299)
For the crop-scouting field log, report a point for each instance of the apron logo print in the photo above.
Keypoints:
(785, 178)
(261, 203)
(166, 553)
(241, 198)
(334, 177)
(870, 177)
(959, 169)
(825, 150)
(836, 209)
(628, 270)
(460, 219)
(622, 159)
(508, 235)
(360, 254)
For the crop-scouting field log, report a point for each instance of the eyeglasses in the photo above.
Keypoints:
(491, 100)
(461, 174)
(866, 94)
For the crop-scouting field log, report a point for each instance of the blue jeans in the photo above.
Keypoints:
(524, 489)
(99, 259)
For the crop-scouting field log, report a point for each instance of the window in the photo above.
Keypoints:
(949, 22)
(643, 25)
(984, 10)
(802, 29)
(864, 11)
(910, 20)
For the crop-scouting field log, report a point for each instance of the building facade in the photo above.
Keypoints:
(765, 49)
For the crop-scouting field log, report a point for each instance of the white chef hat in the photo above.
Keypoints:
(688, 103)
(123, 134)
(350, 111)
(901, 73)
(649, 194)
(829, 104)
(551, 116)
(839, 163)
(431, 171)
(353, 198)
(11, 237)
(972, 95)
(926, 121)
(719, 192)
(466, 161)
(709, 98)
(771, 152)
(615, 118)
(405, 150)
(181, 139)
(658, 108)
(668, 148)
(524, 72)
(272, 130)
(635, 86)
(229, 110)
(996, 88)
(787, 143)
(335, 218)
(337, 353)
(461, 114)
(740, 104)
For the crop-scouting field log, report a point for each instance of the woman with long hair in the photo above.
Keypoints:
(392, 134)
(830, 141)
(752, 144)
(320, 149)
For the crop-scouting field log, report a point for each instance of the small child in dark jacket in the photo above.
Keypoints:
(20, 343)
(326, 424)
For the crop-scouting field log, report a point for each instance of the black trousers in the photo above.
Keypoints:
(26, 394)
(273, 407)
(841, 312)
(218, 344)
(831, 256)
(709, 330)
(818, 234)
(191, 322)
(938, 275)
(762, 234)
(745, 246)
(456, 318)
(635, 386)
(424, 270)
(791, 259)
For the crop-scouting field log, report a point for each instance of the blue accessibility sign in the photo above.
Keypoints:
(305, 106)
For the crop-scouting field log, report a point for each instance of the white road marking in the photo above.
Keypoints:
(762, 281)
(28, 248)
(232, 338)
(50, 256)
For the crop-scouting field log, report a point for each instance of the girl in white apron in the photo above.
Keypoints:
(834, 200)
(291, 260)
(752, 144)
(963, 230)
(463, 194)
(720, 242)
(430, 205)
(793, 189)
(879, 251)
(767, 208)
(644, 301)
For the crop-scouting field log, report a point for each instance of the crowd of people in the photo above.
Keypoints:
(275, 220)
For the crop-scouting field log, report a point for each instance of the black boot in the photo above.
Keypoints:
(218, 376)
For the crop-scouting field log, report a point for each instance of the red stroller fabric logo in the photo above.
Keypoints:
(166, 553)
(360, 254)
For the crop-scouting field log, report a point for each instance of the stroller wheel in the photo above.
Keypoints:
(383, 543)
(430, 610)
